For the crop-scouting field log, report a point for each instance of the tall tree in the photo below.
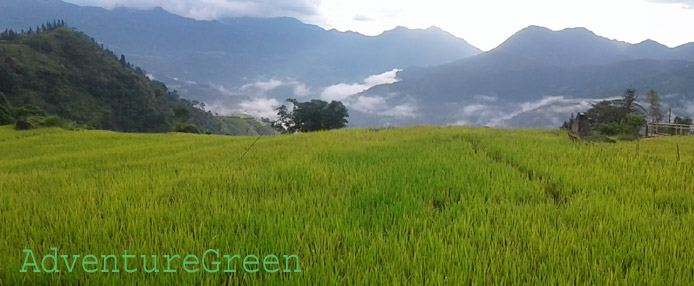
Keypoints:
(653, 100)
(628, 100)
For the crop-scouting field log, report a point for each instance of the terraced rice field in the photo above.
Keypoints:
(410, 206)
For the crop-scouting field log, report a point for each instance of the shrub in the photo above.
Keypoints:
(27, 111)
(45, 121)
(23, 125)
(187, 128)
(33, 122)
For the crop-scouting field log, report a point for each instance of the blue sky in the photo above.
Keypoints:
(485, 24)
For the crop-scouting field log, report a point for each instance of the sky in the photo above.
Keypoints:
(483, 23)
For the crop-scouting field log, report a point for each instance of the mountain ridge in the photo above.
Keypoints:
(233, 49)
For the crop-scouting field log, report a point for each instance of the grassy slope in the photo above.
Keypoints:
(69, 75)
(396, 206)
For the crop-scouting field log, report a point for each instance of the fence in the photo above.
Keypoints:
(660, 129)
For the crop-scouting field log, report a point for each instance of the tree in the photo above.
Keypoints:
(683, 121)
(610, 119)
(632, 123)
(604, 113)
(182, 114)
(309, 116)
(6, 111)
(123, 62)
(628, 100)
(284, 122)
(27, 111)
(653, 100)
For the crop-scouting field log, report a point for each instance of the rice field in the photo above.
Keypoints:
(404, 206)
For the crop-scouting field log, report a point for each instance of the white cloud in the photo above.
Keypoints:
(301, 90)
(261, 107)
(550, 110)
(402, 111)
(220, 108)
(275, 87)
(344, 91)
(368, 104)
(472, 109)
(480, 113)
(262, 86)
(222, 89)
(384, 78)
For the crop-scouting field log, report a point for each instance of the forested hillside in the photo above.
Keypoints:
(67, 74)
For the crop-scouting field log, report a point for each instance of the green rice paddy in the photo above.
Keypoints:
(404, 206)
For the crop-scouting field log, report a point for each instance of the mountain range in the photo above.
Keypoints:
(402, 77)
(512, 84)
(238, 50)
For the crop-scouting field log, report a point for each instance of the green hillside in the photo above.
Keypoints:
(413, 206)
(67, 74)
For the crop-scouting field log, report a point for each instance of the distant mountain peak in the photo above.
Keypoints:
(535, 28)
(567, 47)
(540, 30)
(578, 29)
(430, 29)
(436, 29)
(650, 42)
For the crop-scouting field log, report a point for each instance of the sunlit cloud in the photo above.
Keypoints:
(343, 91)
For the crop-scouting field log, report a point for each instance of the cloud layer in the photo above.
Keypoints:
(260, 98)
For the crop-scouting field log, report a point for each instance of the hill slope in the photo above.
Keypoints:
(67, 74)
